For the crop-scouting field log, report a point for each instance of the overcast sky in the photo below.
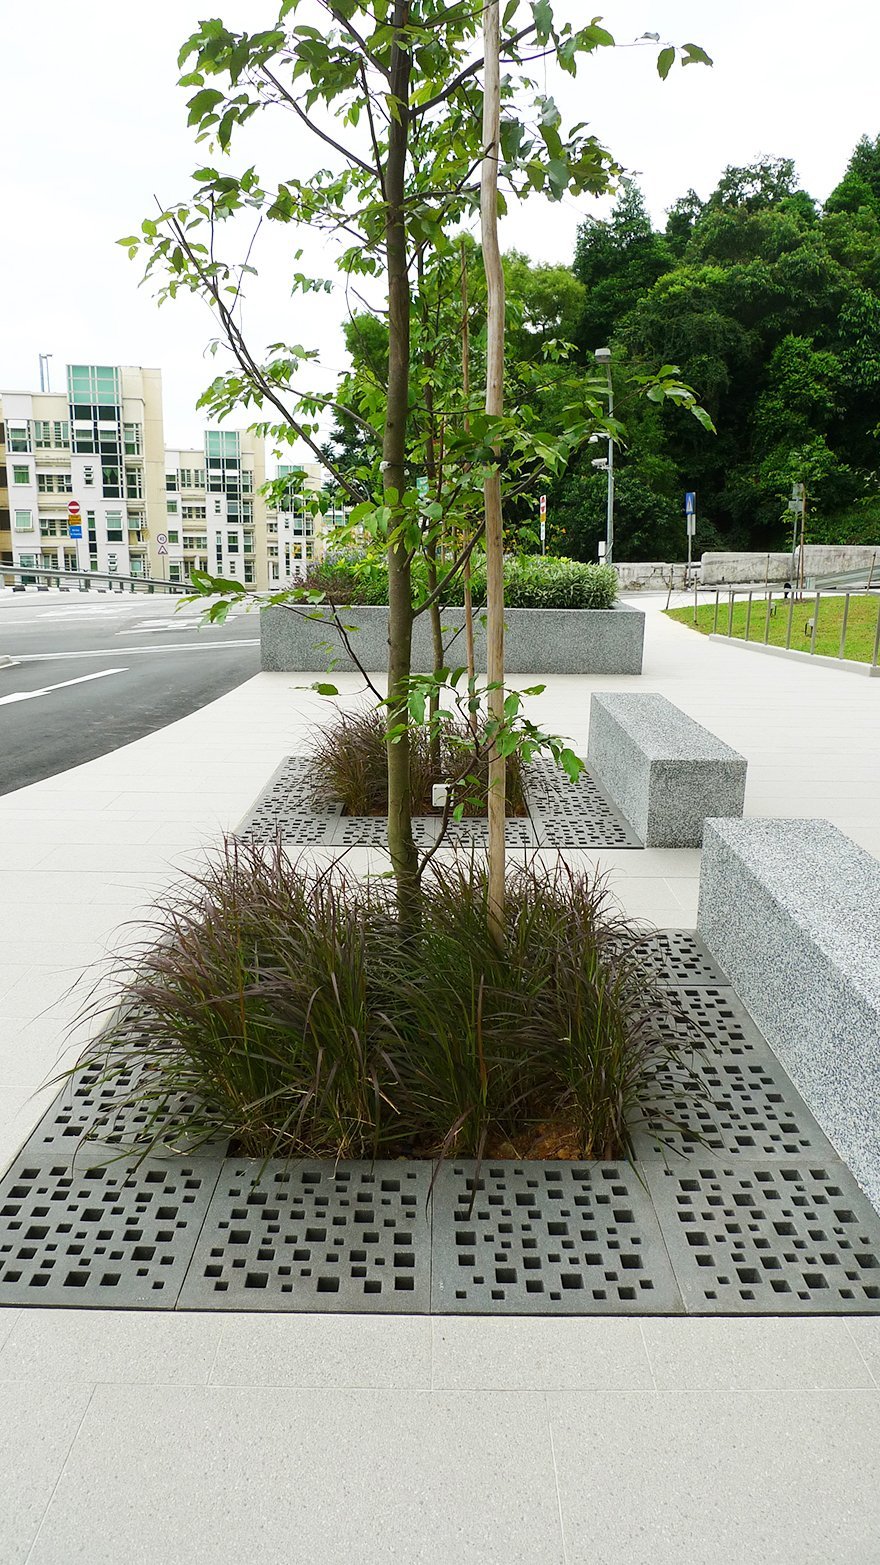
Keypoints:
(93, 125)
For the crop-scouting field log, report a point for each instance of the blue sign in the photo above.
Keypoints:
(75, 530)
(690, 503)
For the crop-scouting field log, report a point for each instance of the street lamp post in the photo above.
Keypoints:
(44, 371)
(603, 356)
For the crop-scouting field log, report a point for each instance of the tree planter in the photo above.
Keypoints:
(537, 641)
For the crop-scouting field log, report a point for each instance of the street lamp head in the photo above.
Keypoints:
(602, 355)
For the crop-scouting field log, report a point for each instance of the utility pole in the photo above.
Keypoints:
(603, 356)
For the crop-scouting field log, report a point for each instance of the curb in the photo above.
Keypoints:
(6, 662)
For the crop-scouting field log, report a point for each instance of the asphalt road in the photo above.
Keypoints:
(94, 672)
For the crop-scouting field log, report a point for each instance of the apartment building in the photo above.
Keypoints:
(143, 510)
(98, 444)
(215, 515)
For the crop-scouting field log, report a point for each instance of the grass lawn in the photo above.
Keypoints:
(861, 627)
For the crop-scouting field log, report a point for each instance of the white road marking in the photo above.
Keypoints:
(132, 652)
(31, 695)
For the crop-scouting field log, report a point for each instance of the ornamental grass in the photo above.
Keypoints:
(284, 1007)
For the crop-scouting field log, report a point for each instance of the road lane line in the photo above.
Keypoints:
(133, 652)
(31, 695)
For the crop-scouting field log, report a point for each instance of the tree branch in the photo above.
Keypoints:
(469, 70)
(350, 157)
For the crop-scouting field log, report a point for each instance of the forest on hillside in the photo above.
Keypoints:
(769, 305)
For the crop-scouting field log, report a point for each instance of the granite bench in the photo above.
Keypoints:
(663, 771)
(791, 911)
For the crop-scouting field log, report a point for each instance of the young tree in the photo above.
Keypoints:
(393, 92)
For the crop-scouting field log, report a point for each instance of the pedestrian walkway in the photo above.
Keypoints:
(212, 1439)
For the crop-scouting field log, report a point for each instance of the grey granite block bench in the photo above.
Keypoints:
(791, 911)
(663, 771)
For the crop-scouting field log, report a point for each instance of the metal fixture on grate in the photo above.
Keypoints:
(562, 814)
(547, 1238)
(108, 1238)
(315, 1236)
(787, 1239)
(750, 1110)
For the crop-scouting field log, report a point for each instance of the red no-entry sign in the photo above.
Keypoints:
(73, 508)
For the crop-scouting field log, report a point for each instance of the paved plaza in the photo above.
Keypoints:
(212, 1438)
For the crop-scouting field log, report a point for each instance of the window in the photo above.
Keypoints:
(61, 433)
(90, 524)
(247, 481)
(42, 434)
(49, 559)
(248, 570)
(134, 483)
(20, 475)
(173, 537)
(83, 439)
(111, 482)
(195, 540)
(131, 435)
(174, 570)
(70, 560)
(89, 473)
(171, 507)
(23, 521)
(248, 543)
(114, 526)
(171, 481)
(27, 559)
(194, 513)
(218, 507)
(52, 527)
(232, 540)
(247, 510)
(17, 437)
(94, 383)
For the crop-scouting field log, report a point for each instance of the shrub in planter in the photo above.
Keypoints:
(285, 1006)
(531, 581)
(350, 762)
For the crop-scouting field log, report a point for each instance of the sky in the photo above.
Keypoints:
(94, 131)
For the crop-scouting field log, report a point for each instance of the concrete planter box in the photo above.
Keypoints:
(537, 641)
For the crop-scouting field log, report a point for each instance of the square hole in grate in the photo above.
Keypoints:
(315, 1236)
(117, 1237)
(547, 1238)
(783, 1239)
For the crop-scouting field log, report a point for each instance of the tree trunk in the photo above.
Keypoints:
(492, 486)
(404, 859)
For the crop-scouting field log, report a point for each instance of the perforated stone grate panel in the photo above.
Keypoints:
(314, 1236)
(107, 1238)
(89, 1107)
(750, 1110)
(791, 1239)
(547, 1238)
(676, 957)
(710, 1016)
(574, 815)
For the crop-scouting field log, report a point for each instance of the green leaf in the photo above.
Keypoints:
(324, 690)
(665, 61)
(694, 55)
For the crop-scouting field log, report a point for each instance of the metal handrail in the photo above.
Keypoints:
(811, 626)
(86, 578)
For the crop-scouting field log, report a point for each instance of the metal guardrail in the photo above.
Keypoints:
(769, 602)
(26, 574)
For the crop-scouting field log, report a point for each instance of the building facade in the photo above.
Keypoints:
(139, 508)
(98, 445)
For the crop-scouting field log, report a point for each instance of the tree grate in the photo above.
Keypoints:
(749, 1110)
(549, 1238)
(676, 957)
(792, 1239)
(315, 1236)
(710, 1016)
(117, 1237)
(561, 814)
(92, 1120)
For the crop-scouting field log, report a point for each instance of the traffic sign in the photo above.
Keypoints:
(690, 502)
(543, 505)
(161, 537)
(73, 508)
(74, 530)
(691, 525)
(163, 548)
